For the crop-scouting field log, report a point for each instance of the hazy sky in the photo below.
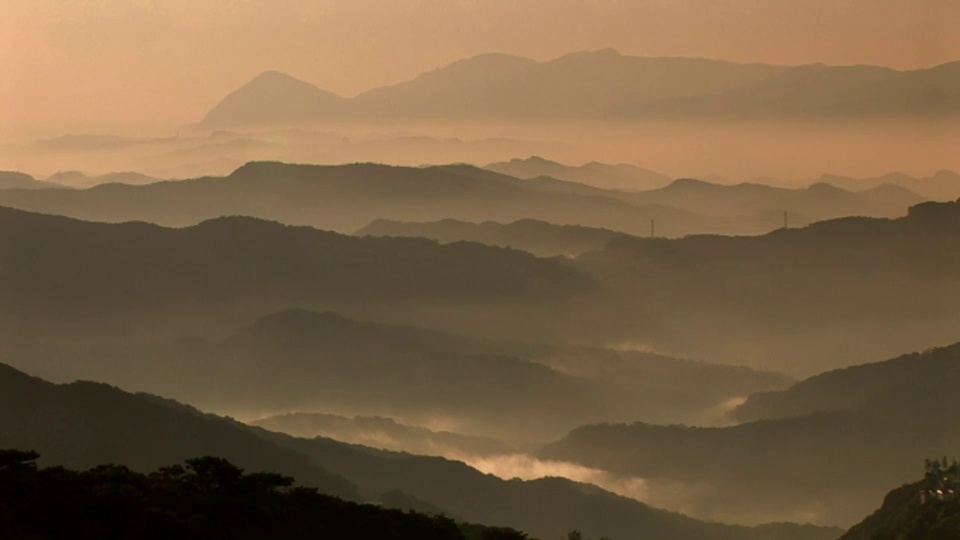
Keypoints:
(144, 65)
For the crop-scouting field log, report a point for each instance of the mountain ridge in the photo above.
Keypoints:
(602, 85)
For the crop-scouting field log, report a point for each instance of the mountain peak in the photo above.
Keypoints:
(273, 97)
(688, 183)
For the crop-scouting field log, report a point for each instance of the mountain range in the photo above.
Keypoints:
(347, 197)
(891, 285)
(60, 271)
(84, 424)
(19, 180)
(825, 449)
(944, 185)
(754, 301)
(297, 360)
(602, 85)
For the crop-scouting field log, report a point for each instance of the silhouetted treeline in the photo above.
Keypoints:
(207, 498)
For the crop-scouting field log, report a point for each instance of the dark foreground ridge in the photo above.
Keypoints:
(207, 497)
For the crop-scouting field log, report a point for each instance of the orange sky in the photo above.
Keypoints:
(146, 66)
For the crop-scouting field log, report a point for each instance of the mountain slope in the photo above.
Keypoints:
(19, 180)
(274, 99)
(384, 433)
(296, 360)
(577, 85)
(801, 301)
(905, 513)
(85, 424)
(82, 423)
(868, 417)
(905, 385)
(206, 497)
(64, 275)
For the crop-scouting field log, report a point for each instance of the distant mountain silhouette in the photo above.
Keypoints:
(77, 179)
(274, 99)
(882, 417)
(802, 91)
(818, 202)
(19, 180)
(943, 186)
(624, 177)
(604, 85)
(822, 92)
(88, 423)
(538, 237)
(348, 197)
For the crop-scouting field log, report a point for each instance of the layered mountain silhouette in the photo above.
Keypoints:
(803, 455)
(19, 180)
(754, 301)
(622, 176)
(347, 197)
(67, 279)
(83, 423)
(302, 361)
(909, 385)
(943, 186)
(603, 85)
(538, 237)
(817, 202)
(733, 297)
(78, 179)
